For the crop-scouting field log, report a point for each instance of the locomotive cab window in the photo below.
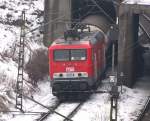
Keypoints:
(79, 54)
(70, 55)
(61, 55)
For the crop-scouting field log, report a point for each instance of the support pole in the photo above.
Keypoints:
(114, 99)
(113, 58)
(19, 85)
(114, 103)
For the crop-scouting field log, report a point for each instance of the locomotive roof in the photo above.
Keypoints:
(85, 38)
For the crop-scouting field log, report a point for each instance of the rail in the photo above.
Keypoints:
(45, 115)
(147, 105)
(72, 113)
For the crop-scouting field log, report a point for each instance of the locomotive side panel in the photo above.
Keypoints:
(99, 58)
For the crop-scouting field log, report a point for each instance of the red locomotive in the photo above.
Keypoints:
(76, 63)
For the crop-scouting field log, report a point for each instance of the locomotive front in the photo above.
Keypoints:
(70, 67)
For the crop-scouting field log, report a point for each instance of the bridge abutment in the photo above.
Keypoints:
(128, 40)
(57, 14)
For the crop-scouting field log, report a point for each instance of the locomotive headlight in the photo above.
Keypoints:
(70, 75)
(85, 74)
(55, 75)
(60, 75)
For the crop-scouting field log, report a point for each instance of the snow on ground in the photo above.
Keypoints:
(63, 109)
(97, 108)
(142, 2)
(43, 95)
(131, 103)
(7, 37)
(143, 85)
(10, 16)
(10, 32)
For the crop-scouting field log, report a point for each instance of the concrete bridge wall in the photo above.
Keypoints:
(128, 53)
(57, 13)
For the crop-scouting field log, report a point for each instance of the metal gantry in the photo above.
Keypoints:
(19, 85)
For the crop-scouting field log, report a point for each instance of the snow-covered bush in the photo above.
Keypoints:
(37, 67)
(3, 104)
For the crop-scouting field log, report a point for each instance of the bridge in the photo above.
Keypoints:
(131, 21)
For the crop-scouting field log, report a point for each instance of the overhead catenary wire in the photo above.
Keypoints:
(50, 22)
(143, 28)
(135, 44)
(59, 18)
(54, 20)
(102, 10)
(129, 48)
(116, 3)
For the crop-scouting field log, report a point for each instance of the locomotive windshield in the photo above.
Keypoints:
(78, 54)
(70, 55)
(61, 55)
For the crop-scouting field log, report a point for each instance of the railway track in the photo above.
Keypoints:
(68, 110)
(144, 111)
(45, 115)
(72, 113)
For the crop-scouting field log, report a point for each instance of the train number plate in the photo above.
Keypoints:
(70, 75)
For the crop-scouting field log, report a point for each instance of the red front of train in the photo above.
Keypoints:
(76, 65)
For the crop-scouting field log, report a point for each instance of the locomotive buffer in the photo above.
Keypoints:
(19, 85)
